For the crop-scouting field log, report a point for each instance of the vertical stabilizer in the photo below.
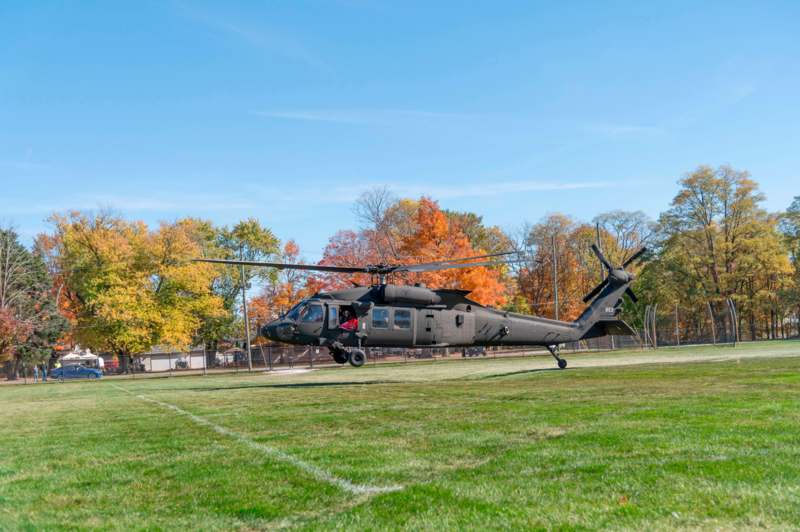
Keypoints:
(601, 317)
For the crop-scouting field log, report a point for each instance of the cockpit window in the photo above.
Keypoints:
(312, 313)
(294, 313)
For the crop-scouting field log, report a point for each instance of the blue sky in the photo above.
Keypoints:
(288, 110)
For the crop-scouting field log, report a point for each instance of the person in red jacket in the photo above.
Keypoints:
(349, 321)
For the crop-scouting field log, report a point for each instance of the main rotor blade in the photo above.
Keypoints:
(417, 268)
(596, 290)
(631, 295)
(287, 266)
(448, 261)
(601, 257)
(633, 257)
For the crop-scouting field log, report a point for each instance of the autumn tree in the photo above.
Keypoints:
(283, 290)
(376, 212)
(623, 233)
(717, 242)
(436, 237)
(409, 231)
(29, 320)
(790, 230)
(249, 240)
(347, 248)
(132, 288)
(558, 241)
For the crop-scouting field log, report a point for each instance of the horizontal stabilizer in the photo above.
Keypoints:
(605, 328)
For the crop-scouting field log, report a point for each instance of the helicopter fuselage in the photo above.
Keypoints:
(411, 316)
(388, 315)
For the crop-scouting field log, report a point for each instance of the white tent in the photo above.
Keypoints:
(76, 357)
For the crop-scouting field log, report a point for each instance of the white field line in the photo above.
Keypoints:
(311, 469)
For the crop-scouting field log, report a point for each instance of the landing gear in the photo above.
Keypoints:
(339, 356)
(357, 358)
(339, 353)
(554, 351)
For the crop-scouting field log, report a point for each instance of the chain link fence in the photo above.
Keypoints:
(657, 326)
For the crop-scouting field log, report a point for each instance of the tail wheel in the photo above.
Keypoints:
(357, 358)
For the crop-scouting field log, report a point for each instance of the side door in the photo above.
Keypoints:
(403, 326)
(391, 327)
(380, 332)
(427, 329)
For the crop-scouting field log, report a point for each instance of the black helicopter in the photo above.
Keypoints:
(390, 315)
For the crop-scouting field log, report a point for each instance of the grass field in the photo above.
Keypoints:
(459, 444)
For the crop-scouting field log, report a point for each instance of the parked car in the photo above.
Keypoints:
(75, 371)
(477, 351)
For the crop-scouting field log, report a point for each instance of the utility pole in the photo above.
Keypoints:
(677, 331)
(246, 316)
(555, 276)
(655, 340)
(713, 327)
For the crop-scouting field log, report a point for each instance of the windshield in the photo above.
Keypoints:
(312, 313)
(294, 314)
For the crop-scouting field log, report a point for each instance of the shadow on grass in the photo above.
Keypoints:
(512, 373)
(286, 385)
(300, 385)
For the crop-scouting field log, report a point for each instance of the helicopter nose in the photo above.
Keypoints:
(269, 331)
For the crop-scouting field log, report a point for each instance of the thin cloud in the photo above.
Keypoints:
(361, 116)
(132, 204)
(348, 194)
(24, 165)
(266, 38)
(618, 130)
(482, 190)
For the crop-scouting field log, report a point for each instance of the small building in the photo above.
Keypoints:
(161, 358)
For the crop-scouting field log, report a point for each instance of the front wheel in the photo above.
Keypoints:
(562, 363)
(357, 358)
(339, 356)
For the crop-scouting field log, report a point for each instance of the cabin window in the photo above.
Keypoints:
(459, 320)
(402, 319)
(333, 317)
(312, 313)
(380, 318)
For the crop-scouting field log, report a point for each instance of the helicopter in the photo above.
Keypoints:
(411, 316)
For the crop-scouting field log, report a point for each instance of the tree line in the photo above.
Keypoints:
(121, 287)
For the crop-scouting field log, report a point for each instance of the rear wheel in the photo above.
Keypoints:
(357, 358)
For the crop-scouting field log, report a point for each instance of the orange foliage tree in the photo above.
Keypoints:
(412, 232)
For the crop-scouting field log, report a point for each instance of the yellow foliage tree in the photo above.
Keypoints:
(131, 288)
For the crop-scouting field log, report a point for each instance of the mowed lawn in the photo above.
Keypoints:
(459, 444)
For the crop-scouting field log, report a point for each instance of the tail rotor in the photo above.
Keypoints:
(617, 276)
